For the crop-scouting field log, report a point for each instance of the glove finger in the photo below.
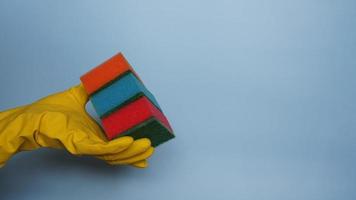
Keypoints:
(138, 146)
(140, 164)
(142, 156)
(89, 147)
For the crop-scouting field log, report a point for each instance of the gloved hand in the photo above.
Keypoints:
(61, 121)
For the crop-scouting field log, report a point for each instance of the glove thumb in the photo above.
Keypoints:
(80, 94)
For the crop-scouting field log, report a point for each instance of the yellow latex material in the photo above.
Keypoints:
(61, 121)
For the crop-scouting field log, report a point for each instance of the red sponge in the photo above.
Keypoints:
(131, 115)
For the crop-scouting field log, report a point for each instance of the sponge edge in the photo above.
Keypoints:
(105, 73)
(151, 129)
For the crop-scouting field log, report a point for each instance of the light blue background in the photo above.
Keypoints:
(261, 95)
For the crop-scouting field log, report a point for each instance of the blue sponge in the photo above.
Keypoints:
(119, 93)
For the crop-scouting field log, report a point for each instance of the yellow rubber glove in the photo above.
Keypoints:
(61, 121)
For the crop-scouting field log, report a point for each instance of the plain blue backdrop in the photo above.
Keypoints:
(261, 94)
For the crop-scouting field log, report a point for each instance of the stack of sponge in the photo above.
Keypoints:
(124, 104)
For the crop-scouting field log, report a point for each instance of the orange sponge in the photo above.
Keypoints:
(105, 73)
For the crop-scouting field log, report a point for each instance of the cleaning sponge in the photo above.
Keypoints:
(119, 93)
(105, 73)
(138, 119)
(124, 104)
